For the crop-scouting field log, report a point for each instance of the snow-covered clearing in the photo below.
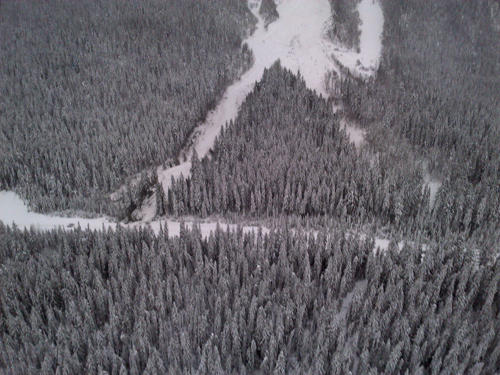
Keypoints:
(382, 245)
(356, 135)
(13, 209)
(365, 63)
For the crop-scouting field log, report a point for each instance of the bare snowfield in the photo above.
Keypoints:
(298, 40)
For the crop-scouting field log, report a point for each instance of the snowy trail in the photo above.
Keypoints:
(13, 210)
(298, 40)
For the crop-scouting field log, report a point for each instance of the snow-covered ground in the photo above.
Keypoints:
(356, 135)
(365, 63)
(434, 186)
(298, 40)
(13, 210)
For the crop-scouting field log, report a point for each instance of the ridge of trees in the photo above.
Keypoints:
(93, 92)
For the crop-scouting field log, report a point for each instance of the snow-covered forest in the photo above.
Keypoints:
(133, 302)
(94, 92)
(290, 187)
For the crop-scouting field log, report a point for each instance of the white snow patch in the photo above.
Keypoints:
(355, 134)
(365, 63)
(434, 186)
(296, 39)
(13, 210)
(382, 245)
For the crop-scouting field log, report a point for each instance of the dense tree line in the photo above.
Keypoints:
(345, 23)
(285, 154)
(129, 301)
(437, 88)
(95, 91)
(268, 11)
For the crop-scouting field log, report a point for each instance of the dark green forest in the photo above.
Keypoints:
(94, 92)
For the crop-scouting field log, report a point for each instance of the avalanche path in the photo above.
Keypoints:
(298, 40)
